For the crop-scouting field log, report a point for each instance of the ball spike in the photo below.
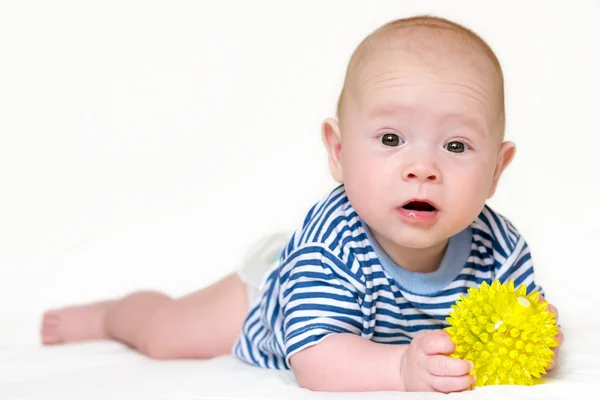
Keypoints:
(521, 290)
(534, 297)
(509, 286)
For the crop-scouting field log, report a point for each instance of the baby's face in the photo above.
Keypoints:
(420, 147)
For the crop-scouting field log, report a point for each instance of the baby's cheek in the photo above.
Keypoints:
(363, 190)
(467, 198)
(364, 172)
(368, 191)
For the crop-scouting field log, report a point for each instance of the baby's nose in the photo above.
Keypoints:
(422, 172)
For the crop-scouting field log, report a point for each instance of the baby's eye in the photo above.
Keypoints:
(456, 147)
(391, 140)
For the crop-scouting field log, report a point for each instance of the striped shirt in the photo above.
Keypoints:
(334, 278)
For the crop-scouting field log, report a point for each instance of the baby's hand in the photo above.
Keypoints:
(426, 367)
(559, 335)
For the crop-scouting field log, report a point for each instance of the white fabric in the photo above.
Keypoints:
(108, 370)
(262, 257)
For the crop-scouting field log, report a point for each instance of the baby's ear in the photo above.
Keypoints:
(505, 156)
(332, 139)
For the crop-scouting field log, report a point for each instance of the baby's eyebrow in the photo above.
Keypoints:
(474, 123)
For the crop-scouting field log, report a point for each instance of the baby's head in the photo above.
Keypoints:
(419, 139)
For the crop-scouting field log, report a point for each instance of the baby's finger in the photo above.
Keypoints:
(553, 363)
(440, 365)
(437, 342)
(559, 338)
(448, 384)
(553, 310)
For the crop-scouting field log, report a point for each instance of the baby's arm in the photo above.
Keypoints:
(347, 362)
(323, 318)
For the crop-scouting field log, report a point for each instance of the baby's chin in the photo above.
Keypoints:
(409, 240)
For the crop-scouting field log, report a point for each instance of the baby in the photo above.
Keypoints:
(359, 296)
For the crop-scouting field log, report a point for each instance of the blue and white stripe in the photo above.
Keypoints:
(333, 278)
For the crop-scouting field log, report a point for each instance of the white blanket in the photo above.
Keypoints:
(109, 370)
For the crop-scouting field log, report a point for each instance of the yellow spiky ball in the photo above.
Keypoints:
(507, 333)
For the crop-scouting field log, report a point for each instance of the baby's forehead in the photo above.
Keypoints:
(400, 68)
(415, 49)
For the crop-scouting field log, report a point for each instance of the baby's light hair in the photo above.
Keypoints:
(429, 43)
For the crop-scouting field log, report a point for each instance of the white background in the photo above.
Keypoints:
(148, 144)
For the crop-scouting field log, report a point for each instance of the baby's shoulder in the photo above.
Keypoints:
(331, 235)
(495, 231)
(327, 220)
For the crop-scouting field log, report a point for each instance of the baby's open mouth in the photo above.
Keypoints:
(419, 206)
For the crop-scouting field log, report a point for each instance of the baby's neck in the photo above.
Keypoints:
(417, 260)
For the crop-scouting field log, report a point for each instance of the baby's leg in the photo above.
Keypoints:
(203, 324)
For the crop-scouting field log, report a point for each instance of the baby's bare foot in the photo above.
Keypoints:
(75, 324)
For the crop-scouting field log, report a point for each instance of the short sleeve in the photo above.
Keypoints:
(518, 263)
(317, 298)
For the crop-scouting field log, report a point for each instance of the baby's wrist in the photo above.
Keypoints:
(401, 356)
